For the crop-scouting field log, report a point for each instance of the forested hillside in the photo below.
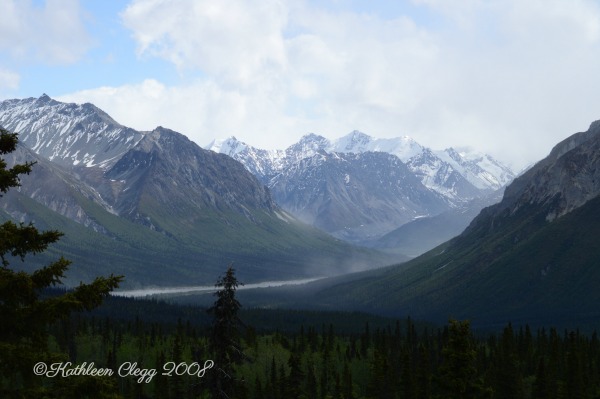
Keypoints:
(380, 359)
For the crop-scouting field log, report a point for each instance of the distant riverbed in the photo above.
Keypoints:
(205, 288)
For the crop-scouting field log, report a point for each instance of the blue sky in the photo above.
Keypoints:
(509, 77)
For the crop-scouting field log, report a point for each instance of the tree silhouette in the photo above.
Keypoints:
(458, 372)
(225, 335)
(25, 310)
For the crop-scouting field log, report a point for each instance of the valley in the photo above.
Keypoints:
(166, 213)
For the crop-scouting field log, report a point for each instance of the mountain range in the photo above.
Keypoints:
(360, 188)
(153, 205)
(533, 257)
(163, 211)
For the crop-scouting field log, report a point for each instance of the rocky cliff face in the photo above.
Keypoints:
(354, 196)
(54, 187)
(560, 183)
(169, 170)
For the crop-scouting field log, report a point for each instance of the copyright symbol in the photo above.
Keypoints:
(40, 368)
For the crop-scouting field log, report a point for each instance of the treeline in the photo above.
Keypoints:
(396, 361)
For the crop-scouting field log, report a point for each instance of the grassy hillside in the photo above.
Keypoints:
(195, 254)
(521, 269)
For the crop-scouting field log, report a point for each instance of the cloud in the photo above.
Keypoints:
(291, 67)
(52, 34)
(511, 78)
(522, 72)
(200, 109)
(234, 41)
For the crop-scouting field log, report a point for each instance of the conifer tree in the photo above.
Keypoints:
(225, 335)
(25, 315)
(508, 377)
(458, 371)
(296, 377)
(540, 385)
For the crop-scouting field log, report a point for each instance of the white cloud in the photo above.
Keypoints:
(201, 110)
(524, 72)
(510, 77)
(235, 41)
(53, 33)
(309, 69)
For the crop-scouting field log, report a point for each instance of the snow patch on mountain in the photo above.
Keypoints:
(458, 174)
(481, 170)
(261, 163)
(404, 147)
(69, 134)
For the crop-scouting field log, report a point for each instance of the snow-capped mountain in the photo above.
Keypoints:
(404, 147)
(261, 163)
(68, 134)
(154, 205)
(459, 175)
(297, 179)
(481, 170)
(533, 256)
(442, 177)
(439, 170)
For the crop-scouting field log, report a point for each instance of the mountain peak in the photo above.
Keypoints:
(229, 146)
(355, 141)
(357, 134)
(312, 137)
(45, 99)
(67, 133)
(402, 147)
(309, 145)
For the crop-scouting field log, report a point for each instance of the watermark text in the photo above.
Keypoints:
(126, 369)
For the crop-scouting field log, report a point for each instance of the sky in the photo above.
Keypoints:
(510, 78)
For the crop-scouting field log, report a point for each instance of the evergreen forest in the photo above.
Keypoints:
(400, 359)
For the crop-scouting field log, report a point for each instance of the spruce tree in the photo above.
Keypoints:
(508, 377)
(458, 377)
(225, 336)
(26, 313)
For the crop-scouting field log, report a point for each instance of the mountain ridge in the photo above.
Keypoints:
(144, 192)
(457, 177)
(513, 262)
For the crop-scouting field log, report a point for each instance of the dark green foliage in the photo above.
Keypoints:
(517, 267)
(10, 177)
(26, 314)
(401, 360)
(225, 336)
(508, 374)
(458, 372)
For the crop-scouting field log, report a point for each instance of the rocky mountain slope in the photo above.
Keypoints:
(296, 178)
(534, 256)
(164, 209)
(354, 196)
(422, 234)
